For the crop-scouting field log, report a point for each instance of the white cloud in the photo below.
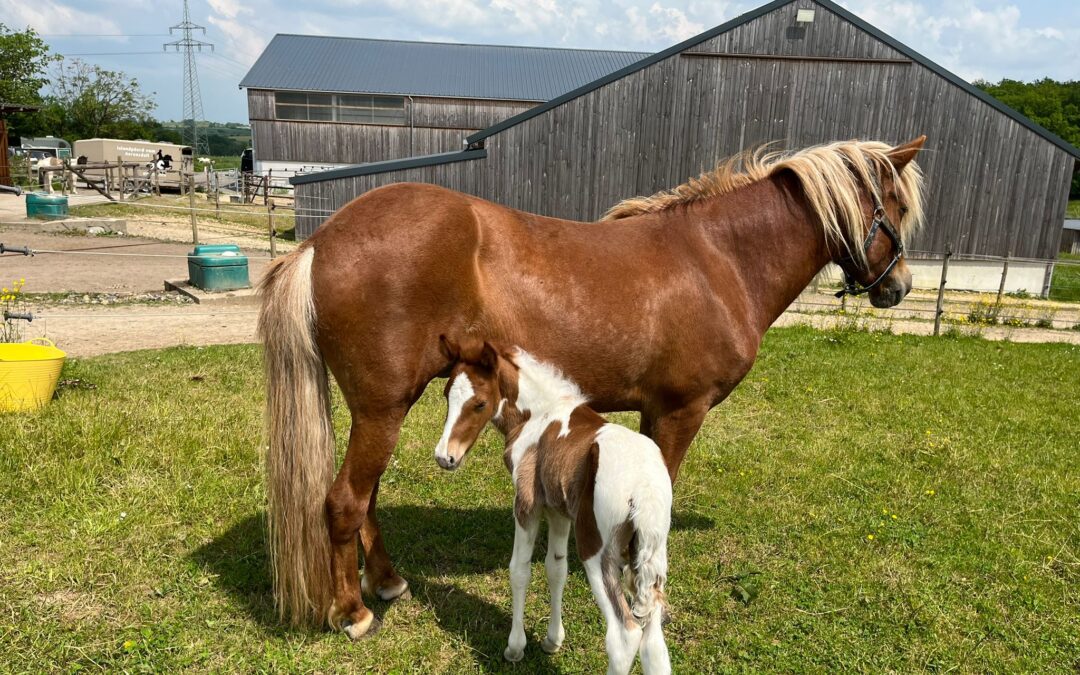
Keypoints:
(243, 40)
(977, 38)
(51, 17)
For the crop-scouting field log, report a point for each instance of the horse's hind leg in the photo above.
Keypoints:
(350, 508)
(623, 636)
(379, 578)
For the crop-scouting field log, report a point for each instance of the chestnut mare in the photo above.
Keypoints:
(660, 308)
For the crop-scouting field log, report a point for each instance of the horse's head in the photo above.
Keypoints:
(474, 393)
(874, 264)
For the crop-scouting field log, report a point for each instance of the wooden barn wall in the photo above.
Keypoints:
(436, 125)
(993, 186)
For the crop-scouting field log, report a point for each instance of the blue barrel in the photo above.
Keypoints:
(218, 267)
(46, 206)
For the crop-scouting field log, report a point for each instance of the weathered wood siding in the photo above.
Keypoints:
(432, 125)
(994, 186)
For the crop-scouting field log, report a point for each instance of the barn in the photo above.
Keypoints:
(793, 72)
(319, 102)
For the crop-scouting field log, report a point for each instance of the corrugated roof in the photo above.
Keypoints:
(317, 63)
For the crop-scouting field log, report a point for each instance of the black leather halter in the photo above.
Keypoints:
(881, 222)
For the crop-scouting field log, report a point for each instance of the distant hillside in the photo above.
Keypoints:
(229, 138)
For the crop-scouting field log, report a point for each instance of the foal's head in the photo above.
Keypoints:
(476, 391)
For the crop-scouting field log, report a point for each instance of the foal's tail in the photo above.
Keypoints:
(300, 443)
(650, 515)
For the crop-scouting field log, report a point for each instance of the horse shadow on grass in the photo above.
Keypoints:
(428, 544)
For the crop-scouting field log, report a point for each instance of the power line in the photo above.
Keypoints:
(113, 53)
(101, 35)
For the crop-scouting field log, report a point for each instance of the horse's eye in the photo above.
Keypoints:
(903, 210)
(481, 405)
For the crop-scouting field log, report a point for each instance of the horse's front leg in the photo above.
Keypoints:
(520, 572)
(674, 430)
(350, 508)
(555, 565)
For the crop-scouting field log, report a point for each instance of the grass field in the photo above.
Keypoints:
(1073, 209)
(901, 503)
(245, 217)
(1065, 283)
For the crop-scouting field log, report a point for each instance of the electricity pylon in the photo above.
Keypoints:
(193, 110)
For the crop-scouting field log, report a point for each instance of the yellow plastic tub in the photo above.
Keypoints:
(28, 374)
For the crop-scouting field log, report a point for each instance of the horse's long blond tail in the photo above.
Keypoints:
(300, 443)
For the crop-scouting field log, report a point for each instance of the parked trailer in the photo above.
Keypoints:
(97, 150)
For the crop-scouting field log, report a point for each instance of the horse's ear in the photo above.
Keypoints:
(449, 348)
(901, 155)
(489, 358)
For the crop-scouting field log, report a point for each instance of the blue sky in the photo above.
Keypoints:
(987, 39)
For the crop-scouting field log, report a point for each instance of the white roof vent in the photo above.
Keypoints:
(805, 16)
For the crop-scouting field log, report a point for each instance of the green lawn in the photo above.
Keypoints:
(1065, 283)
(242, 217)
(1073, 210)
(910, 504)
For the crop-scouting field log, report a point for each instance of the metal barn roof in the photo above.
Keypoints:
(361, 65)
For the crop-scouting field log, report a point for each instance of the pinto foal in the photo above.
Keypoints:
(569, 464)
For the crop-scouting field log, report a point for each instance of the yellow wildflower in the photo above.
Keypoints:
(870, 537)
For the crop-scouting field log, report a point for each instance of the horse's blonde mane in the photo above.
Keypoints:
(833, 177)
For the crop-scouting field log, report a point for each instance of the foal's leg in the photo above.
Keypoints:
(623, 635)
(555, 565)
(654, 652)
(520, 571)
(350, 506)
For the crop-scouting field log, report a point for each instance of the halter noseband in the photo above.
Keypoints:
(881, 222)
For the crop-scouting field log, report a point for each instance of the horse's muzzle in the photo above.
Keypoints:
(893, 290)
(448, 462)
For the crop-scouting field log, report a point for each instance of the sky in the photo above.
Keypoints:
(976, 39)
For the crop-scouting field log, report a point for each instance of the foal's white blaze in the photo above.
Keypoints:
(460, 393)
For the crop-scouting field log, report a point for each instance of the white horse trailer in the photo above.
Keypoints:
(178, 159)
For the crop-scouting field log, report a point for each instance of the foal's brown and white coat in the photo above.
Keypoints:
(570, 465)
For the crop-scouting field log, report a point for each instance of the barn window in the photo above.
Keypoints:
(348, 108)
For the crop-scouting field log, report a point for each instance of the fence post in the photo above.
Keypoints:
(1001, 286)
(941, 290)
(120, 171)
(217, 194)
(266, 187)
(273, 233)
(191, 205)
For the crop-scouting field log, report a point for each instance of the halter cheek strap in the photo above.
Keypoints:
(881, 222)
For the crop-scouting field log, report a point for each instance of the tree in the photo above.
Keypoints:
(24, 64)
(88, 101)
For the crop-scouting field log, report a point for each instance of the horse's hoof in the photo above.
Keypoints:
(549, 647)
(513, 655)
(365, 626)
(398, 590)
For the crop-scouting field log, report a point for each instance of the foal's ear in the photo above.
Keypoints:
(489, 357)
(449, 348)
(901, 155)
